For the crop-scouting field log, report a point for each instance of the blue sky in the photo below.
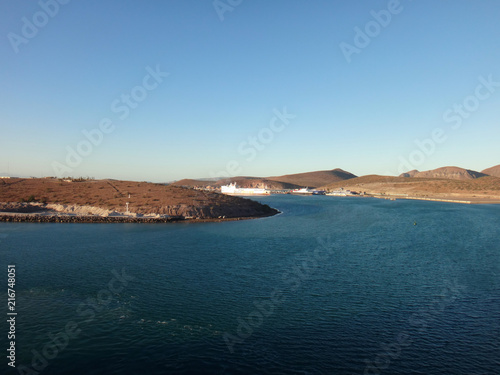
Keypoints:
(228, 78)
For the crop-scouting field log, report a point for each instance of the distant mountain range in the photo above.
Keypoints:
(290, 181)
(445, 183)
(242, 181)
(481, 189)
(315, 179)
(454, 173)
(332, 178)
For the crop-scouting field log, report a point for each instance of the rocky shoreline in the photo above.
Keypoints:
(38, 218)
(50, 213)
(47, 218)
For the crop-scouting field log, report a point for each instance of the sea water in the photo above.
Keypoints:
(332, 285)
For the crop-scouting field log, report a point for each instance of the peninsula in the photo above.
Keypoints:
(88, 200)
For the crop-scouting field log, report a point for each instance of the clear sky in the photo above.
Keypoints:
(356, 84)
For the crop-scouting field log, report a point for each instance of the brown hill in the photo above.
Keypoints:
(357, 183)
(454, 173)
(493, 171)
(315, 179)
(187, 182)
(241, 181)
(256, 182)
(290, 181)
(143, 197)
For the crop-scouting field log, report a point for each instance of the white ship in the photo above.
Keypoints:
(232, 189)
(337, 193)
(340, 193)
(301, 191)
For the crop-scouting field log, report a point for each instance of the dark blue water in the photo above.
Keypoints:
(331, 286)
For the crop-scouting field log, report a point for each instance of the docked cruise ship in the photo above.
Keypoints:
(302, 191)
(232, 189)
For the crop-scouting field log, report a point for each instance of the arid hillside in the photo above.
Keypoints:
(493, 171)
(290, 181)
(188, 182)
(143, 197)
(315, 179)
(257, 182)
(484, 187)
(455, 173)
(247, 182)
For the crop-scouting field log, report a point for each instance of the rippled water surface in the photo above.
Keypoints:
(330, 286)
